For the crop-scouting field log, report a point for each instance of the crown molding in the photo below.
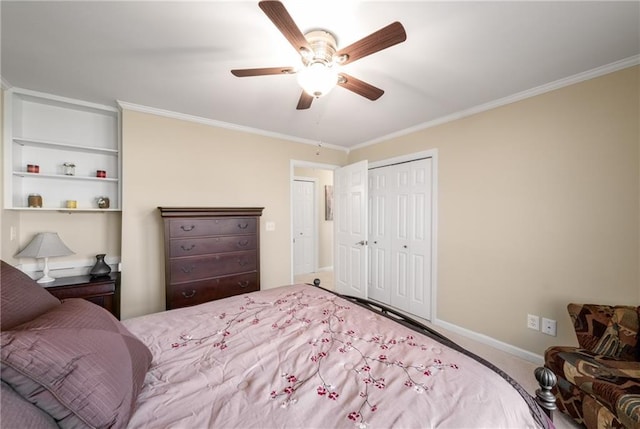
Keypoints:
(220, 124)
(548, 87)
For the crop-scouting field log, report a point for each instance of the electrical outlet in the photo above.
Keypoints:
(548, 326)
(533, 322)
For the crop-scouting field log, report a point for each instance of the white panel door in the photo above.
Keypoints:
(411, 237)
(350, 213)
(303, 227)
(379, 247)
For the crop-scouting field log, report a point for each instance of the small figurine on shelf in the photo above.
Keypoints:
(103, 202)
(101, 268)
(69, 169)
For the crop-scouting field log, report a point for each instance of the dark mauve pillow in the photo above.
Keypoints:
(19, 413)
(78, 363)
(21, 298)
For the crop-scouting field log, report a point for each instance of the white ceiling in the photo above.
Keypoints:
(176, 56)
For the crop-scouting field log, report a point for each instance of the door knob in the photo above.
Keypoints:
(361, 243)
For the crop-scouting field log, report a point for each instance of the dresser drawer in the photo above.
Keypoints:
(203, 267)
(202, 246)
(198, 227)
(84, 290)
(193, 293)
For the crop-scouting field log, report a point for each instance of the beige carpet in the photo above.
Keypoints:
(520, 369)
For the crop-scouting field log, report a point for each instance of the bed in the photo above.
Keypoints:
(296, 356)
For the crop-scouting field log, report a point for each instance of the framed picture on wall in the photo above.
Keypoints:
(328, 202)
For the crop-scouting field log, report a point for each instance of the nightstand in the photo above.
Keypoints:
(104, 291)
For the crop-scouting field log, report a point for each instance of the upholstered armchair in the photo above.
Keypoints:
(599, 381)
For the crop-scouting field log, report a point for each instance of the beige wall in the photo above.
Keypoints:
(169, 162)
(538, 207)
(325, 227)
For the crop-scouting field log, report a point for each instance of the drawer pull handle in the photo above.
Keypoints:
(186, 249)
(242, 262)
(187, 227)
(243, 243)
(243, 283)
(189, 294)
(243, 225)
(187, 270)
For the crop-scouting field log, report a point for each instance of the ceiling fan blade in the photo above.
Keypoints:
(388, 36)
(283, 21)
(305, 101)
(359, 87)
(263, 71)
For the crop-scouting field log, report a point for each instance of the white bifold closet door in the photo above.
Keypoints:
(400, 220)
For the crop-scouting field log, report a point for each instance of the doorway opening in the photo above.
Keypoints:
(312, 223)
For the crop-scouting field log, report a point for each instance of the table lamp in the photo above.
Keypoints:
(45, 245)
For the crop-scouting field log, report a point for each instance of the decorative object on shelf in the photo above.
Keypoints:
(34, 201)
(45, 245)
(72, 204)
(101, 268)
(69, 169)
(101, 173)
(103, 202)
(33, 168)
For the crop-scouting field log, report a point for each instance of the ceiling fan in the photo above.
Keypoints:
(321, 58)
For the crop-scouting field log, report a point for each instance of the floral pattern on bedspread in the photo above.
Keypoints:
(298, 356)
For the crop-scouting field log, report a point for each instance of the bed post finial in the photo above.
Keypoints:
(316, 282)
(546, 379)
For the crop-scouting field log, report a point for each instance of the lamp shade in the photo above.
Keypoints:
(45, 245)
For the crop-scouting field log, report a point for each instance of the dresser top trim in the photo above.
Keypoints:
(209, 211)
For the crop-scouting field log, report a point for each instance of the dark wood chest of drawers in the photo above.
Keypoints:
(210, 253)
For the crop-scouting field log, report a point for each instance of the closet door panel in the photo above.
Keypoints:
(400, 211)
(379, 239)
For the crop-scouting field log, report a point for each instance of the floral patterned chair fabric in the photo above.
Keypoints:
(599, 381)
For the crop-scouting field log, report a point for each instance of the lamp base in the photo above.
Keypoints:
(45, 279)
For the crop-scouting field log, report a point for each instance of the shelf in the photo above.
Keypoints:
(62, 209)
(64, 146)
(49, 131)
(62, 176)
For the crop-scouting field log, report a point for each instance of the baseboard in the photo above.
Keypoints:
(484, 339)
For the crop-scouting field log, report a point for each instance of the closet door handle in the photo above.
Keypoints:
(361, 243)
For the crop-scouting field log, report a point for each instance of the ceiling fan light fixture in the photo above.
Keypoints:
(317, 79)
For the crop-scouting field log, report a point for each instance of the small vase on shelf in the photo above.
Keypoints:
(101, 268)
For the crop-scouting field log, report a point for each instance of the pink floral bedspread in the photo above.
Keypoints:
(300, 357)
